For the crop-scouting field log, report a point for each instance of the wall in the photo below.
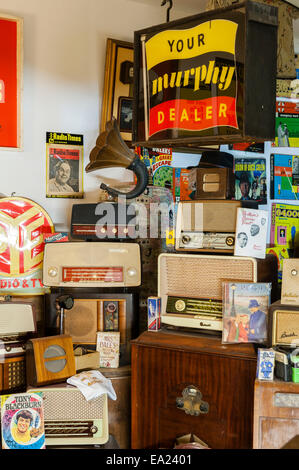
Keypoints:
(64, 59)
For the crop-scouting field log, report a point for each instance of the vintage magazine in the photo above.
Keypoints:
(250, 179)
(245, 311)
(181, 185)
(158, 162)
(108, 347)
(64, 153)
(287, 123)
(251, 232)
(284, 232)
(22, 421)
(284, 177)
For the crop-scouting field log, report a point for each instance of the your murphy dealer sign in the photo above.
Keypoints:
(190, 77)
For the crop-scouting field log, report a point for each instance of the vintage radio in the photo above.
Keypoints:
(212, 183)
(70, 419)
(13, 374)
(89, 314)
(73, 264)
(49, 360)
(206, 226)
(190, 285)
(290, 282)
(105, 220)
(283, 325)
(17, 325)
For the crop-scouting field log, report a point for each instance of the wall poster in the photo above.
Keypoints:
(11, 43)
(64, 154)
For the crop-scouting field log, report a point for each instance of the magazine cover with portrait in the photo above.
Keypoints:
(245, 311)
(64, 154)
(22, 421)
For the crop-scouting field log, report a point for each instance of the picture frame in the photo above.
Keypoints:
(11, 82)
(118, 86)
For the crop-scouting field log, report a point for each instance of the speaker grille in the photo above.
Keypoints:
(199, 276)
(81, 321)
(287, 327)
(70, 404)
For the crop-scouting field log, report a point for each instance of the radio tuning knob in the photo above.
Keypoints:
(52, 272)
(94, 429)
(131, 272)
(294, 272)
(186, 239)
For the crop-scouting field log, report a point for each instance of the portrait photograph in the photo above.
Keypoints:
(64, 171)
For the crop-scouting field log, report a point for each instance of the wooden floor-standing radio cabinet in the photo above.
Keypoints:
(189, 383)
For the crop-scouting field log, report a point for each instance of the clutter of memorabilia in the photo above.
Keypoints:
(163, 318)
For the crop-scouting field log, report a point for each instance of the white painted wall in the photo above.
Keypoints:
(64, 58)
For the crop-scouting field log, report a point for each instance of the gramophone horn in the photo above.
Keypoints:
(112, 151)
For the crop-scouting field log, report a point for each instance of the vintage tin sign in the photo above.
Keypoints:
(23, 227)
(197, 80)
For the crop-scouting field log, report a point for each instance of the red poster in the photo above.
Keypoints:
(10, 40)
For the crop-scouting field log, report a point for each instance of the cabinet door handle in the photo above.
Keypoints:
(191, 402)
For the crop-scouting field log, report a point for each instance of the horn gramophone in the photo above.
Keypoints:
(112, 151)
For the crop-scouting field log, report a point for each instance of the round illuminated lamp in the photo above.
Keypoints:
(23, 227)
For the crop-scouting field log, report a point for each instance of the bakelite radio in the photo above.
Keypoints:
(94, 287)
(193, 299)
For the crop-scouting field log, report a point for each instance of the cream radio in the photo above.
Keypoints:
(206, 225)
(72, 420)
(92, 264)
(190, 285)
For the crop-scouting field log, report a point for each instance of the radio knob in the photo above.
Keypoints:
(186, 239)
(294, 272)
(7, 348)
(131, 272)
(53, 272)
(93, 429)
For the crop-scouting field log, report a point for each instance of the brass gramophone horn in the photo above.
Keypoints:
(112, 151)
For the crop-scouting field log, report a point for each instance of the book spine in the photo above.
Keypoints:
(272, 228)
(272, 176)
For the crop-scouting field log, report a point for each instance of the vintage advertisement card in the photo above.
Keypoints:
(108, 347)
(251, 233)
(64, 153)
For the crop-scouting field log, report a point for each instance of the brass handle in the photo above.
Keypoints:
(191, 402)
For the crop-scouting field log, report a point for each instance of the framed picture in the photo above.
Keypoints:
(118, 87)
(11, 53)
(64, 165)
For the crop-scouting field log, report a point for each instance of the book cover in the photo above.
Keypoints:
(287, 123)
(22, 421)
(245, 311)
(159, 165)
(108, 347)
(284, 176)
(181, 185)
(251, 232)
(284, 231)
(250, 179)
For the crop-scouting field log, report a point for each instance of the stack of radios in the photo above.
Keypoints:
(190, 285)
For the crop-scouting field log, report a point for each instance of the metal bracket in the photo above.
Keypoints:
(168, 9)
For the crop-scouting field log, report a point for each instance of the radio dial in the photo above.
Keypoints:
(53, 272)
(186, 239)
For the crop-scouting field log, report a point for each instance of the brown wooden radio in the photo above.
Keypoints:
(283, 325)
(49, 360)
(212, 183)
